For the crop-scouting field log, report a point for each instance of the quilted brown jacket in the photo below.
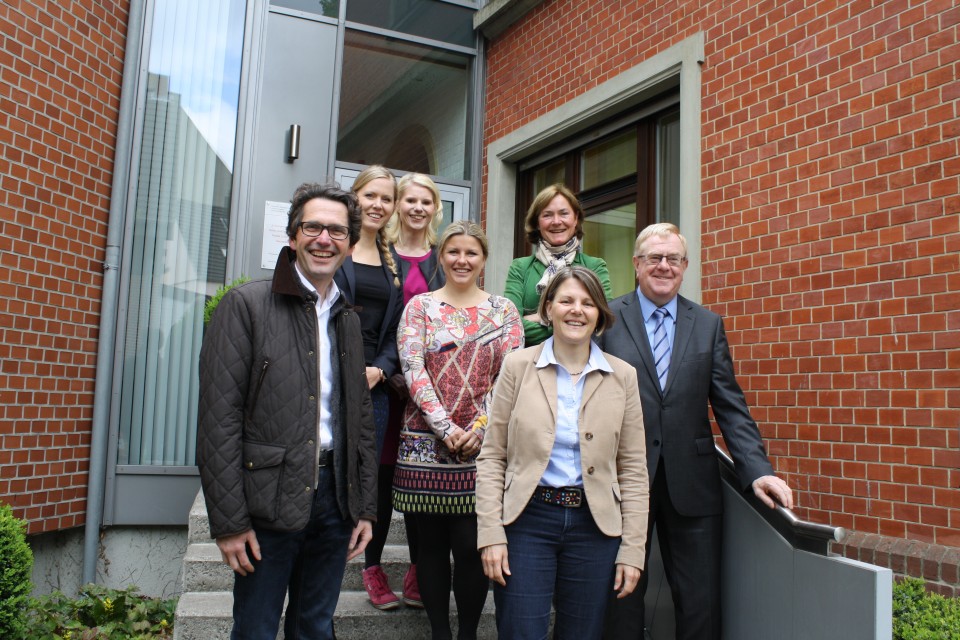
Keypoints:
(257, 431)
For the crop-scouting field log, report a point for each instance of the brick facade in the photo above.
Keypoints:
(60, 72)
(830, 233)
(830, 229)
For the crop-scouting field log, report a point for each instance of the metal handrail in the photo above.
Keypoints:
(802, 534)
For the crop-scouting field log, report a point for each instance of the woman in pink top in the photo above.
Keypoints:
(412, 235)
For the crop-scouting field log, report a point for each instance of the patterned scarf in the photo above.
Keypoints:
(555, 258)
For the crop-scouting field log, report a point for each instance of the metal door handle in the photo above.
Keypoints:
(293, 143)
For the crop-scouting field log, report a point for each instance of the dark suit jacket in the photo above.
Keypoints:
(676, 419)
(387, 357)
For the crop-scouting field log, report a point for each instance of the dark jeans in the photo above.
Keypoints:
(309, 562)
(556, 554)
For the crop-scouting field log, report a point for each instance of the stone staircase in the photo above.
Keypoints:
(205, 608)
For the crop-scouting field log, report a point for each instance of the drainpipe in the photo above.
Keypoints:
(100, 428)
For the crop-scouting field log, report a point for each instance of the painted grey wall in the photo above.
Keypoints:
(149, 557)
(771, 590)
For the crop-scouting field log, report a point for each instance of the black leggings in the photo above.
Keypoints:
(374, 551)
(443, 534)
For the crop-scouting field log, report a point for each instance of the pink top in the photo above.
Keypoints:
(414, 283)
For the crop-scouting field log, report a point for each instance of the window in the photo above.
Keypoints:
(429, 19)
(177, 233)
(403, 92)
(175, 243)
(625, 180)
(403, 105)
(328, 8)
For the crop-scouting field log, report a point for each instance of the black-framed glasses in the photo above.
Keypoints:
(314, 229)
(654, 259)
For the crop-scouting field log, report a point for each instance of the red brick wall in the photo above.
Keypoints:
(830, 224)
(60, 72)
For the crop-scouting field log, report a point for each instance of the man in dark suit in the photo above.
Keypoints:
(683, 363)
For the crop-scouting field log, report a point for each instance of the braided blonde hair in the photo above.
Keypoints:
(368, 175)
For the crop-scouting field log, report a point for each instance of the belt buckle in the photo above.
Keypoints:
(573, 498)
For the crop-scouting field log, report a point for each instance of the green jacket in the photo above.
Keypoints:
(521, 289)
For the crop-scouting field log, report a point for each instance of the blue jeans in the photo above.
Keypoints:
(556, 554)
(309, 562)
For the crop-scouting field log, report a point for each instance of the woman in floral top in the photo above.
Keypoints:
(451, 342)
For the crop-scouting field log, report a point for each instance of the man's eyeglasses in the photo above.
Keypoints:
(314, 229)
(653, 259)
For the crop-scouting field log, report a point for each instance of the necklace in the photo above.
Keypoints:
(572, 374)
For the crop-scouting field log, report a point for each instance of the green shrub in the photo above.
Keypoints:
(99, 613)
(16, 565)
(919, 615)
(212, 303)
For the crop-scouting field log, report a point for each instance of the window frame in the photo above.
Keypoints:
(639, 188)
(676, 66)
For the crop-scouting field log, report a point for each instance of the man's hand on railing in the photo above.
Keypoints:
(771, 490)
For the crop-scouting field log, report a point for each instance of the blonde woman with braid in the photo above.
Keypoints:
(370, 280)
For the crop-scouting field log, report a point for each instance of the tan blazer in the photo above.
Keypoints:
(520, 436)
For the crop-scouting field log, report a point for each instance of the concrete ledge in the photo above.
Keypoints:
(497, 16)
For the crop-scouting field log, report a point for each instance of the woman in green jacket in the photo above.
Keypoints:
(554, 226)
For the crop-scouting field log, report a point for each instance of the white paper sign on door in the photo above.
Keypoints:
(274, 232)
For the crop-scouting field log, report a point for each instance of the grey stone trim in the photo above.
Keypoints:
(496, 16)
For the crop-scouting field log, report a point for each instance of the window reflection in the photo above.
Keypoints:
(548, 175)
(668, 169)
(328, 8)
(610, 235)
(175, 247)
(424, 18)
(609, 160)
(403, 105)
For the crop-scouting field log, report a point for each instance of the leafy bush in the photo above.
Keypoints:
(212, 303)
(16, 564)
(99, 613)
(919, 615)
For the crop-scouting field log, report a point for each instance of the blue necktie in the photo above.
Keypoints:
(661, 347)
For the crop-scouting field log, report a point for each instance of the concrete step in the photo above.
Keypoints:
(204, 616)
(357, 620)
(203, 569)
(198, 527)
(207, 616)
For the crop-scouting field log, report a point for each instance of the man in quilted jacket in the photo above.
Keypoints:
(285, 440)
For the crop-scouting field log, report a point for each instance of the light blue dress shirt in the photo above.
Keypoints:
(563, 469)
(650, 323)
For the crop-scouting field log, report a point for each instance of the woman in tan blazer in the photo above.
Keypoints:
(562, 490)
